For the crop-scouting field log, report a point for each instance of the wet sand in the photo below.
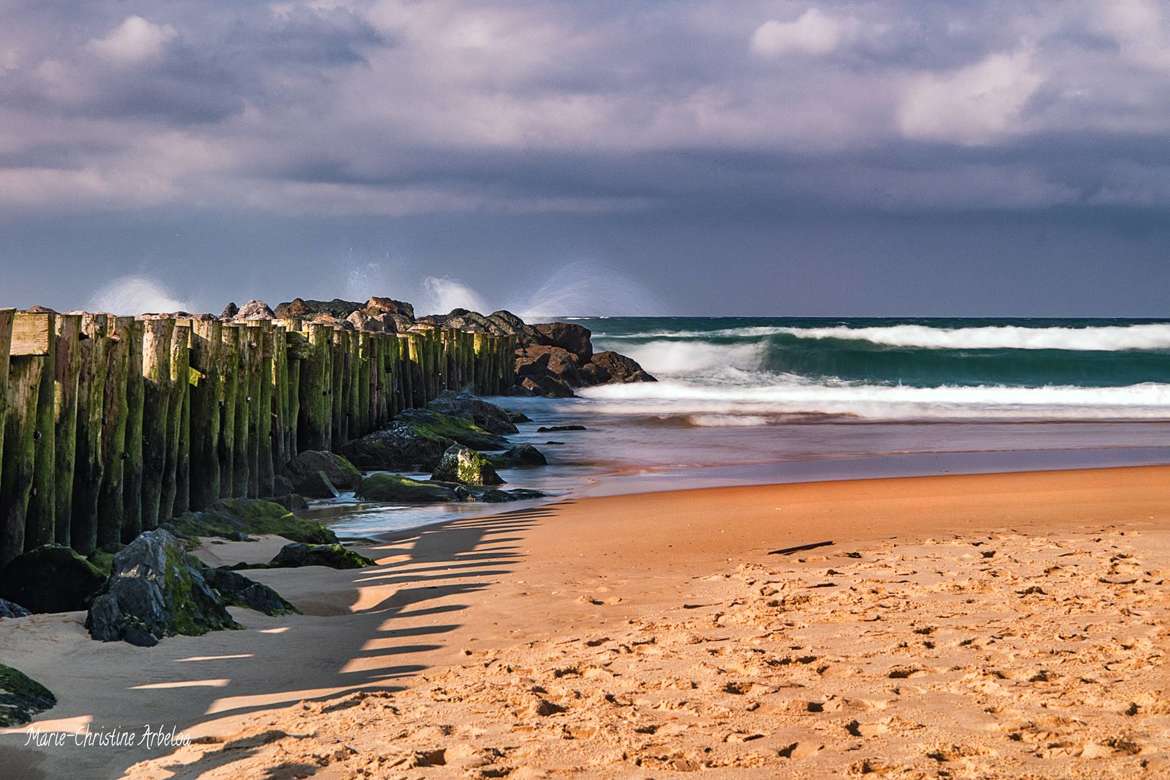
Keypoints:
(658, 633)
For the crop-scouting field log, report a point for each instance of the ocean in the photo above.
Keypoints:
(761, 400)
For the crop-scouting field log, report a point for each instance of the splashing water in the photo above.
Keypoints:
(129, 295)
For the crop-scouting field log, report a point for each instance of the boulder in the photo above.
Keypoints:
(230, 311)
(320, 474)
(335, 556)
(494, 496)
(397, 309)
(239, 591)
(156, 590)
(519, 456)
(254, 310)
(236, 518)
(21, 698)
(51, 578)
(417, 439)
(300, 308)
(465, 466)
(505, 323)
(395, 488)
(559, 428)
(568, 336)
(539, 360)
(546, 386)
(10, 610)
(612, 368)
(490, 417)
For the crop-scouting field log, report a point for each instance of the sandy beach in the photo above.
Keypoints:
(995, 625)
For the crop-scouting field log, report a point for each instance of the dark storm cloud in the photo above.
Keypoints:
(615, 116)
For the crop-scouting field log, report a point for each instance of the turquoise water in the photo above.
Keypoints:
(765, 400)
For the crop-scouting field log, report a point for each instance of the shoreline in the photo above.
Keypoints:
(485, 584)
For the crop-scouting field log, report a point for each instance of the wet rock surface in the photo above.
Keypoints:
(21, 697)
(236, 518)
(321, 474)
(465, 466)
(51, 578)
(417, 439)
(156, 590)
(335, 556)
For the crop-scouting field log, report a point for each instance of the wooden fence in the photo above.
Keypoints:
(109, 425)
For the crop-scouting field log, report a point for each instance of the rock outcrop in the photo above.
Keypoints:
(52, 578)
(236, 518)
(519, 456)
(397, 489)
(416, 440)
(321, 474)
(560, 359)
(335, 556)
(21, 698)
(156, 590)
(490, 417)
(10, 610)
(613, 368)
(568, 336)
(239, 591)
(465, 466)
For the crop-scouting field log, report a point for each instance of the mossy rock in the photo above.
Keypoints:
(319, 474)
(237, 518)
(465, 466)
(52, 578)
(156, 589)
(520, 456)
(21, 698)
(240, 591)
(335, 556)
(417, 439)
(395, 488)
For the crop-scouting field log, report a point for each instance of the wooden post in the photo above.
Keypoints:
(88, 466)
(156, 400)
(206, 343)
(132, 469)
(40, 525)
(229, 366)
(337, 395)
(241, 480)
(353, 394)
(313, 426)
(406, 388)
(66, 368)
(264, 392)
(176, 458)
(18, 471)
(297, 348)
(279, 398)
(111, 506)
(6, 319)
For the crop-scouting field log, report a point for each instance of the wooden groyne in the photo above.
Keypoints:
(111, 425)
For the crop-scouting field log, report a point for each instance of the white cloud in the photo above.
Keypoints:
(134, 40)
(972, 105)
(812, 33)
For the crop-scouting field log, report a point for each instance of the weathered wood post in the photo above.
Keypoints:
(242, 480)
(313, 429)
(264, 393)
(66, 368)
(6, 318)
(111, 505)
(406, 385)
(88, 467)
(31, 340)
(132, 469)
(229, 366)
(176, 458)
(156, 400)
(206, 343)
(297, 349)
(40, 525)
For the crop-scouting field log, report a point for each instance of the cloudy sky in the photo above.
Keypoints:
(662, 156)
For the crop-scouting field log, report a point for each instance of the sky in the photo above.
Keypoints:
(892, 157)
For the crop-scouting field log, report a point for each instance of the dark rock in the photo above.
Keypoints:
(541, 359)
(520, 455)
(612, 368)
(299, 308)
(320, 474)
(230, 311)
(546, 386)
(156, 590)
(568, 336)
(465, 466)
(417, 439)
(490, 417)
(396, 309)
(518, 417)
(335, 556)
(10, 610)
(505, 323)
(239, 591)
(292, 502)
(554, 428)
(502, 496)
(236, 518)
(51, 578)
(21, 698)
(281, 486)
(395, 488)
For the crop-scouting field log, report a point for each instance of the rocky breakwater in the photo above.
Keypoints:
(556, 358)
